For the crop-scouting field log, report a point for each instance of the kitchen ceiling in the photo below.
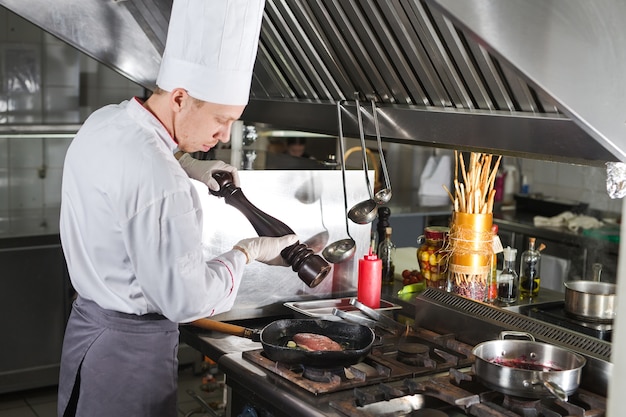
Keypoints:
(483, 75)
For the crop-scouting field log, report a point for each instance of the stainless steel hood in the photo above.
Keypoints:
(530, 78)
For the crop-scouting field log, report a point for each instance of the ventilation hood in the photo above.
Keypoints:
(532, 78)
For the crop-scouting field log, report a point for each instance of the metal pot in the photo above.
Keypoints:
(356, 338)
(526, 368)
(591, 300)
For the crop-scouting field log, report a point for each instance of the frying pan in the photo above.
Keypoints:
(356, 339)
(526, 368)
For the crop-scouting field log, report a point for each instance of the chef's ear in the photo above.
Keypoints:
(178, 98)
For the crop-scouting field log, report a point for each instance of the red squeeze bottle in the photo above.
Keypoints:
(369, 285)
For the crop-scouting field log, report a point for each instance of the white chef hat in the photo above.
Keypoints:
(211, 47)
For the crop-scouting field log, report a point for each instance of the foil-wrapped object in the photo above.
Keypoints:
(616, 179)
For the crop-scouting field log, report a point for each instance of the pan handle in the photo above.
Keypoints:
(513, 333)
(551, 386)
(221, 327)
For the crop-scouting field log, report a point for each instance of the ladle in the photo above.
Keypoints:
(382, 196)
(343, 249)
(365, 211)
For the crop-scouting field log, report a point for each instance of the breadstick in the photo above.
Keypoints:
(463, 169)
(449, 193)
(490, 201)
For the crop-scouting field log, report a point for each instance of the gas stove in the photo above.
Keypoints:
(420, 374)
(425, 371)
(459, 394)
(414, 353)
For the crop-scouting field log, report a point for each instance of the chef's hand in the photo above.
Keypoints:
(266, 249)
(203, 170)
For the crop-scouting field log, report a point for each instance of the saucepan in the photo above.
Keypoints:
(591, 300)
(526, 368)
(356, 340)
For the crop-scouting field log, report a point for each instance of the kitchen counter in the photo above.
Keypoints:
(406, 258)
(29, 227)
(523, 223)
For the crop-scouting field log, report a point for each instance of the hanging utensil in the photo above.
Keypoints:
(365, 211)
(344, 249)
(382, 196)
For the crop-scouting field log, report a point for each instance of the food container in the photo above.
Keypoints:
(433, 265)
(471, 254)
(323, 309)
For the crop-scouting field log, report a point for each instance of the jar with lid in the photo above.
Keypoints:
(433, 265)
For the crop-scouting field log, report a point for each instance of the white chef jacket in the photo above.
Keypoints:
(131, 222)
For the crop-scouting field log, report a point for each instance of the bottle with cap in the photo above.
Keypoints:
(386, 252)
(369, 282)
(508, 280)
(530, 277)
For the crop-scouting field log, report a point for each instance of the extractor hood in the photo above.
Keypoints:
(532, 78)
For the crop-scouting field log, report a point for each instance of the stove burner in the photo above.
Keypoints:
(411, 348)
(415, 354)
(587, 321)
(322, 375)
(520, 405)
(427, 412)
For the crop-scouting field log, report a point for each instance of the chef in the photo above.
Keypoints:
(131, 220)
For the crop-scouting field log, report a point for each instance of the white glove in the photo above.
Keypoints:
(203, 170)
(266, 249)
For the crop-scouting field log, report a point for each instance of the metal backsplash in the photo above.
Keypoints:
(311, 203)
(482, 84)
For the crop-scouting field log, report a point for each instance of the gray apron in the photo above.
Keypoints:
(115, 364)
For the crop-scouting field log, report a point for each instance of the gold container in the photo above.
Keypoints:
(471, 254)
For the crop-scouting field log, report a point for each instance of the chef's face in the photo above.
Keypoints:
(200, 125)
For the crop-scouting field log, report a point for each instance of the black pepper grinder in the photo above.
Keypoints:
(311, 268)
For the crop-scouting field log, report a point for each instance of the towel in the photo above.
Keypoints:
(573, 222)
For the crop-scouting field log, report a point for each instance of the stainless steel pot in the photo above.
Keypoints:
(526, 368)
(591, 300)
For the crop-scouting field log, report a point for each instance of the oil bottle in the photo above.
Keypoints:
(530, 277)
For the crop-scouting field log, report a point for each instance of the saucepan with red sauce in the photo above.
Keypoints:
(312, 342)
(526, 368)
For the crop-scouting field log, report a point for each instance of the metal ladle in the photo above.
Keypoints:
(382, 196)
(343, 249)
(365, 211)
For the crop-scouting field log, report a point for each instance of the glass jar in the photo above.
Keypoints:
(430, 258)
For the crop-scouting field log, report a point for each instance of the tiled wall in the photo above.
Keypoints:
(571, 182)
(44, 81)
